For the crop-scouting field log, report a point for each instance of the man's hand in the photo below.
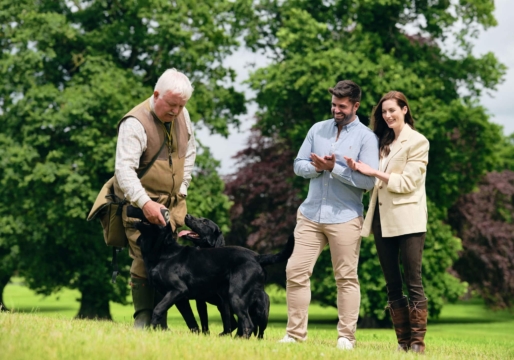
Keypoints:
(323, 163)
(152, 211)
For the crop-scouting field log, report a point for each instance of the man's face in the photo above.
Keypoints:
(343, 110)
(168, 106)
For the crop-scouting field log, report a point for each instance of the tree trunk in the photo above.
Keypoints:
(4, 280)
(94, 304)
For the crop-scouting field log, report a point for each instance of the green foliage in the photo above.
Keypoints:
(441, 250)
(205, 195)
(506, 154)
(463, 147)
(69, 71)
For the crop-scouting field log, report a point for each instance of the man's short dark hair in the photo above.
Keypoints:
(347, 88)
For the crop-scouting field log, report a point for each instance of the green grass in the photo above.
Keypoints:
(44, 328)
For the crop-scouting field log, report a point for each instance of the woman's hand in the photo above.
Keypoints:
(351, 163)
(360, 167)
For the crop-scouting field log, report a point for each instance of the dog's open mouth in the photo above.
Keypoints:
(188, 233)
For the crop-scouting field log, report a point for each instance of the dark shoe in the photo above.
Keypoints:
(399, 311)
(143, 299)
(418, 323)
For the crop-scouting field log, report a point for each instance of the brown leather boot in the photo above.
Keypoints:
(399, 311)
(418, 324)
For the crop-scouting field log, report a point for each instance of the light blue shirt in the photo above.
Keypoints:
(336, 197)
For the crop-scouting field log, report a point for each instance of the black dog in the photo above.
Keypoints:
(213, 238)
(207, 234)
(183, 272)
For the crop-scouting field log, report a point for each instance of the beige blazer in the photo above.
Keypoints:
(402, 201)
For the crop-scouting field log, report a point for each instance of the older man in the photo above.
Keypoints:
(155, 155)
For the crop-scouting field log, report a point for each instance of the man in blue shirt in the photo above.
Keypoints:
(332, 212)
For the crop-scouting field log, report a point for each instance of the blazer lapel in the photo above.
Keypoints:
(404, 136)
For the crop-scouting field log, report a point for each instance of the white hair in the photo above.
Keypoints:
(176, 82)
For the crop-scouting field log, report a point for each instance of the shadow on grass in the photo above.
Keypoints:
(311, 321)
(459, 320)
(42, 309)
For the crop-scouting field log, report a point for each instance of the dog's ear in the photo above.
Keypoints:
(170, 235)
(220, 241)
(170, 239)
(217, 239)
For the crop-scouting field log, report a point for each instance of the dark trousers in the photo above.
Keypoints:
(405, 248)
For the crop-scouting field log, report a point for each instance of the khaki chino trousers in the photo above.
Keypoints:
(310, 238)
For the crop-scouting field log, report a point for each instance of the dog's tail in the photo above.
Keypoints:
(270, 259)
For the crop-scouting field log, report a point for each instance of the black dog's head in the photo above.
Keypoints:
(147, 230)
(205, 233)
(152, 236)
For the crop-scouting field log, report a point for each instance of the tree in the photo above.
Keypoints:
(313, 44)
(69, 71)
(264, 204)
(205, 196)
(484, 220)
(506, 154)
(8, 265)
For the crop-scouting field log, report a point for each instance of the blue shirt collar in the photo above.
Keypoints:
(351, 125)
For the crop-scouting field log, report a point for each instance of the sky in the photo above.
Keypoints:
(500, 104)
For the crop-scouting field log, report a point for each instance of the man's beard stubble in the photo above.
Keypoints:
(344, 121)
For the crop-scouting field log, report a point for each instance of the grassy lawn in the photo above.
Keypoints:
(43, 328)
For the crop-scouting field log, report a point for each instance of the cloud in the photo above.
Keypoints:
(500, 41)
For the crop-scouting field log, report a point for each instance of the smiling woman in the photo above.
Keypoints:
(397, 215)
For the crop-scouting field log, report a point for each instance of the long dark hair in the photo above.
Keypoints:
(380, 128)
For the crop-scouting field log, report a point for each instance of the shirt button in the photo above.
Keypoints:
(380, 187)
(380, 204)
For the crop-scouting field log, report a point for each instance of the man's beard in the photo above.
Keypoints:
(346, 119)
